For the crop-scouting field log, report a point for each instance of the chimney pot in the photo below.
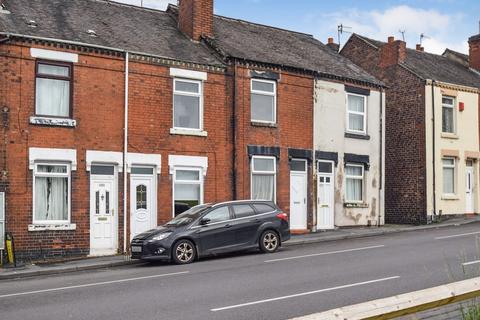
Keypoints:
(391, 39)
(419, 47)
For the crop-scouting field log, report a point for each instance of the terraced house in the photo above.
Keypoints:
(432, 127)
(117, 117)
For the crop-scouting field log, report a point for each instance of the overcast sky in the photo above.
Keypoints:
(445, 23)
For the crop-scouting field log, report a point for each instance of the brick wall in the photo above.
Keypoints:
(293, 130)
(196, 18)
(405, 158)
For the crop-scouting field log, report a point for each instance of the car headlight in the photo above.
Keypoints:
(161, 236)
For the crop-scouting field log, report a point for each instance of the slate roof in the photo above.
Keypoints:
(434, 67)
(117, 25)
(459, 55)
(255, 42)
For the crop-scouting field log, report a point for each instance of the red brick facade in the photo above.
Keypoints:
(405, 158)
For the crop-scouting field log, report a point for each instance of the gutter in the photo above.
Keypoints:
(433, 150)
(125, 153)
(381, 179)
(234, 130)
(314, 166)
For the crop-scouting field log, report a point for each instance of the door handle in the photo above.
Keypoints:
(255, 220)
(228, 225)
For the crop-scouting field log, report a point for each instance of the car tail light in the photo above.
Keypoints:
(282, 216)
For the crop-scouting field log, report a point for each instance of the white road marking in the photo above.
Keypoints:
(470, 263)
(457, 235)
(304, 294)
(91, 284)
(325, 253)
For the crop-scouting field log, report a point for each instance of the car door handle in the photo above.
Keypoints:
(255, 220)
(228, 225)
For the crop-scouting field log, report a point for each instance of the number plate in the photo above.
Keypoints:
(136, 249)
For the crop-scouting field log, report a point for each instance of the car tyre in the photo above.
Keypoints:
(184, 252)
(269, 241)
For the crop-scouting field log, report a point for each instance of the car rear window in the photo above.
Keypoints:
(263, 208)
(243, 210)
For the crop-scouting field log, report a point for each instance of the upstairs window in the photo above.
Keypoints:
(53, 89)
(356, 113)
(448, 115)
(187, 104)
(263, 101)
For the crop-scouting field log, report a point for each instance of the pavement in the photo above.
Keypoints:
(296, 280)
(57, 267)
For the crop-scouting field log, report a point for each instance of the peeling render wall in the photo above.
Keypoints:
(329, 135)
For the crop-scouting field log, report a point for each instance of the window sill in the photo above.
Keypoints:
(450, 197)
(355, 205)
(57, 122)
(187, 132)
(357, 136)
(52, 227)
(263, 124)
(447, 135)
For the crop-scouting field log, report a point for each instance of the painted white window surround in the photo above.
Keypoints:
(47, 121)
(110, 157)
(187, 161)
(188, 132)
(263, 178)
(188, 74)
(54, 55)
(356, 114)
(53, 155)
(263, 101)
(354, 183)
(51, 195)
(144, 159)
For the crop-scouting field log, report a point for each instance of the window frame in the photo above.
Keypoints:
(68, 174)
(454, 167)
(274, 172)
(362, 179)
(200, 182)
(332, 163)
(364, 114)
(70, 78)
(454, 113)
(264, 93)
(189, 94)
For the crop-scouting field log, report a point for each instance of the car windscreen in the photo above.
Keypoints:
(188, 216)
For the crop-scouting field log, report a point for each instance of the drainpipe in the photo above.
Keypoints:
(234, 130)
(433, 150)
(314, 164)
(125, 151)
(380, 184)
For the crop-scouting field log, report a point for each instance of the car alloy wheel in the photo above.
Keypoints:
(184, 252)
(269, 241)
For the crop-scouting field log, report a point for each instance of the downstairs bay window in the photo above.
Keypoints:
(263, 178)
(51, 193)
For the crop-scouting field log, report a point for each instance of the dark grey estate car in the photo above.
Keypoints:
(212, 229)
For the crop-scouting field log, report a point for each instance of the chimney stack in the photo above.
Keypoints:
(393, 52)
(195, 18)
(332, 45)
(474, 52)
(419, 47)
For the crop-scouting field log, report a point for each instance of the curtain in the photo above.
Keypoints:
(447, 119)
(355, 121)
(52, 97)
(51, 196)
(263, 187)
(354, 189)
(448, 180)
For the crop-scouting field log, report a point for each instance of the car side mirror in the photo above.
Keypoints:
(204, 221)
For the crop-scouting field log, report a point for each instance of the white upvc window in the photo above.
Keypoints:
(51, 193)
(53, 89)
(448, 115)
(187, 104)
(187, 188)
(449, 176)
(263, 178)
(263, 101)
(354, 182)
(356, 113)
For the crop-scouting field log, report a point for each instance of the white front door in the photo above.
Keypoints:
(298, 194)
(325, 195)
(143, 208)
(103, 222)
(469, 180)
